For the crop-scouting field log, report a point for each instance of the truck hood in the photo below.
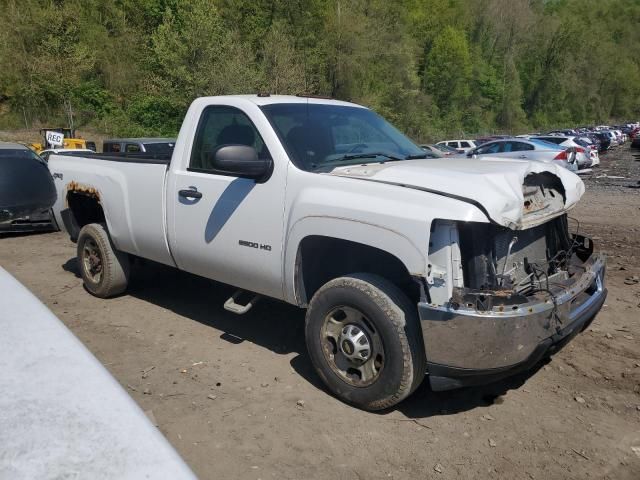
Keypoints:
(495, 186)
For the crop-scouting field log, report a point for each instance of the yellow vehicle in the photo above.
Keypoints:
(69, 141)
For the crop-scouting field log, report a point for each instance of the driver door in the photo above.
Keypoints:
(222, 226)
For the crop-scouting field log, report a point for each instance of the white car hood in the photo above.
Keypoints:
(495, 184)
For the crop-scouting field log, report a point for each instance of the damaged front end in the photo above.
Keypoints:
(499, 299)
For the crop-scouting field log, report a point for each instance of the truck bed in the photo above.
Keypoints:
(130, 189)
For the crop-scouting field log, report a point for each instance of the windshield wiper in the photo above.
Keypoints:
(416, 156)
(351, 156)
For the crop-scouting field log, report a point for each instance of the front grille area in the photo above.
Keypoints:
(497, 258)
(526, 246)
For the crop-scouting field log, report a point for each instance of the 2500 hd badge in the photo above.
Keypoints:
(261, 246)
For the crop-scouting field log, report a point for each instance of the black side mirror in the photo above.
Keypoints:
(241, 161)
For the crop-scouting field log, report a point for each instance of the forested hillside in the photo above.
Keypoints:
(131, 67)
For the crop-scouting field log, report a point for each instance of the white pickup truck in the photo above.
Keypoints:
(461, 270)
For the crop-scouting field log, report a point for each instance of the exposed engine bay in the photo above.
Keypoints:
(490, 265)
(481, 265)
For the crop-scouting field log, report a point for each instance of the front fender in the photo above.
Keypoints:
(411, 255)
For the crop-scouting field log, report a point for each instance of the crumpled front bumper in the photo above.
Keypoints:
(465, 346)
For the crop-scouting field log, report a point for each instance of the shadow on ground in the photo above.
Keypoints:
(279, 327)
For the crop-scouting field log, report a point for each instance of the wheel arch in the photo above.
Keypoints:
(83, 205)
(322, 248)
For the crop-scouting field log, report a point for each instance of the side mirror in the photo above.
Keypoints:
(241, 161)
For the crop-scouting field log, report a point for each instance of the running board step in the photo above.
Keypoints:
(239, 309)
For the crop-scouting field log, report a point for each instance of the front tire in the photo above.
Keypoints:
(104, 270)
(364, 341)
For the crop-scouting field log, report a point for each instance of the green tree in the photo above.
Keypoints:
(281, 65)
(434, 67)
(447, 73)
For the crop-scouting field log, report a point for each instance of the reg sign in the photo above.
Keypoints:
(55, 139)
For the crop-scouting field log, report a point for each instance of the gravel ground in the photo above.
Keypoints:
(237, 396)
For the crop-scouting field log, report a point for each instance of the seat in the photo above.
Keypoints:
(311, 143)
(236, 135)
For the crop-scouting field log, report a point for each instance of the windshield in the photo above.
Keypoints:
(431, 152)
(320, 137)
(445, 148)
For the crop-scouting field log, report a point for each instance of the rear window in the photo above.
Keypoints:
(544, 144)
(556, 140)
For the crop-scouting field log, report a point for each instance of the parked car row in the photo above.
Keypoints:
(528, 149)
(574, 149)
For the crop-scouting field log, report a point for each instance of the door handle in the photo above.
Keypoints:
(190, 193)
(523, 156)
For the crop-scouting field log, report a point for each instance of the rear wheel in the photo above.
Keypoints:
(104, 270)
(364, 341)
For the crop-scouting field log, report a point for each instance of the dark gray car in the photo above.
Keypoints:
(27, 192)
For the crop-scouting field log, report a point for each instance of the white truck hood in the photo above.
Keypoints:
(495, 185)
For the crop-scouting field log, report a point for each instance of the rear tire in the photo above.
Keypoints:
(104, 270)
(364, 341)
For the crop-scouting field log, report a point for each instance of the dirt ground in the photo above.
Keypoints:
(225, 389)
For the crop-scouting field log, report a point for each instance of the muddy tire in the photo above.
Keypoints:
(104, 270)
(364, 341)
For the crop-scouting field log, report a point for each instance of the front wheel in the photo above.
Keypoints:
(364, 341)
(104, 270)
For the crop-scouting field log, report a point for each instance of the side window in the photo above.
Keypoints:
(517, 147)
(465, 145)
(132, 148)
(220, 126)
(452, 144)
(113, 147)
(521, 147)
(488, 149)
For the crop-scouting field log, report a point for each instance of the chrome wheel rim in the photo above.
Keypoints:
(92, 260)
(352, 346)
